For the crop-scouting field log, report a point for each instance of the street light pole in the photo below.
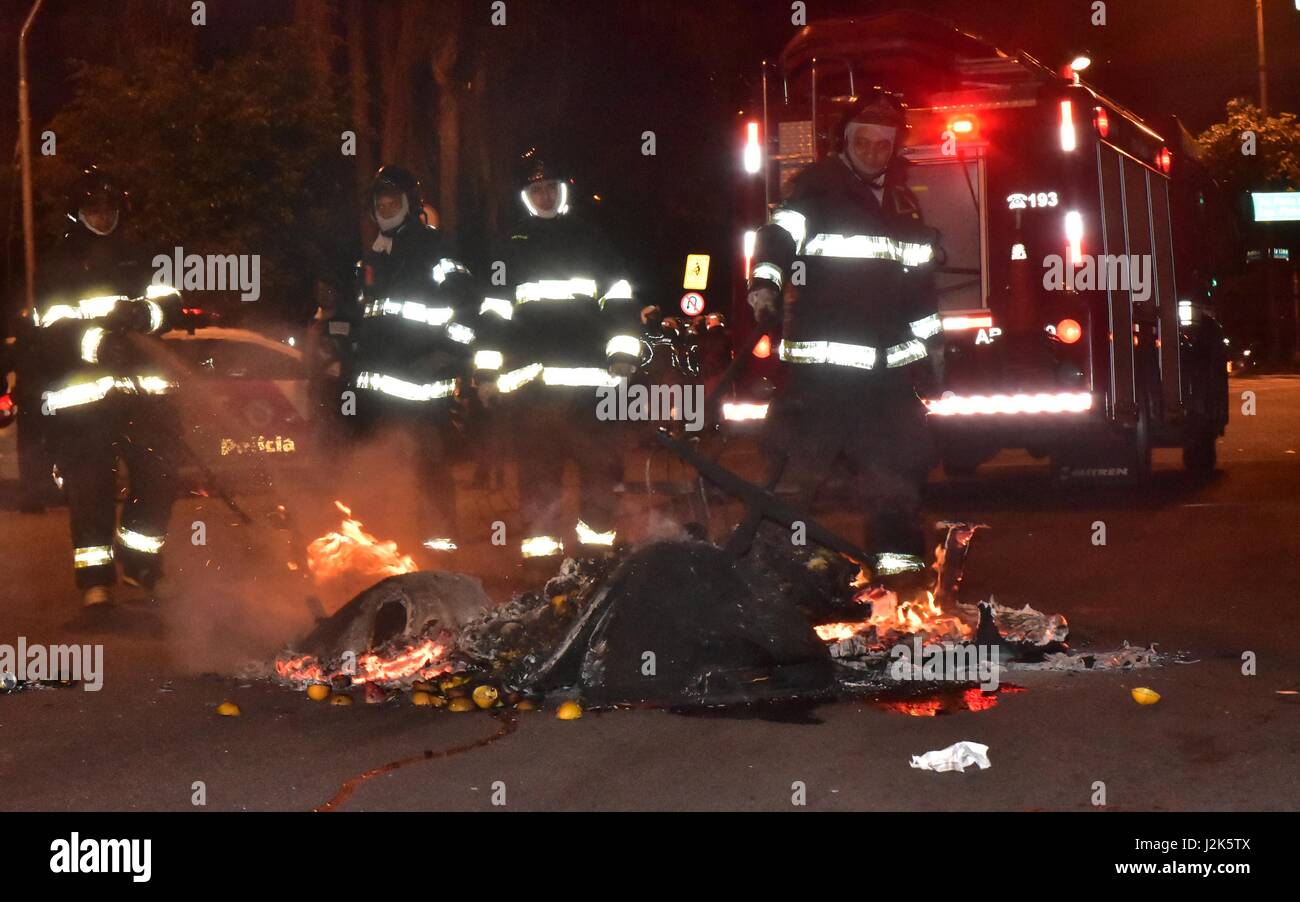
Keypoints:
(1263, 70)
(25, 154)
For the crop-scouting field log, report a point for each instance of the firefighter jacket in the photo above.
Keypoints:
(416, 333)
(566, 311)
(858, 271)
(94, 307)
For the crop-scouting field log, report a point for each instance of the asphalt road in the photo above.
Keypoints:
(1208, 570)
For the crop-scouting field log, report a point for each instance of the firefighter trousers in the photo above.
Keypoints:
(873, 422)
(87, 443)
(554, 427)
(427, 433)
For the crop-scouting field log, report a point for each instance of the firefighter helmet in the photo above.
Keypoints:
(534, 168)
(874, 107)
(97, 188)
(395, 180)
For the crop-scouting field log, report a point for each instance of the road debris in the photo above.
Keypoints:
(957, 756)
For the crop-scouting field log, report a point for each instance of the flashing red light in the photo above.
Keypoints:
(1101, 119)
(1165, 160)
(1069, 331)
(763, 349)
(963, 125)
(753, 156)
(1069, 141)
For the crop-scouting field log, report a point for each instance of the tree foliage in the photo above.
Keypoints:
(1275, 164)
(240, 158)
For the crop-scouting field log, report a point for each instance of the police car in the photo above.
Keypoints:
(245, 408)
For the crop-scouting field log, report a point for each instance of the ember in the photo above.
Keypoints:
(353, 550)
(422, 661)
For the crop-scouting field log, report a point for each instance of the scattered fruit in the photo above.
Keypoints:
(557, 602)
(1145, 696)
(228, 709)
(375, 694)
(460, 705)
(569, 711)
(458, 692)
(341, 698)
(526, 704)
(318, 692)
(485, 696)
(422, 686)
(453, 682)
(438, 701)
(421, 698)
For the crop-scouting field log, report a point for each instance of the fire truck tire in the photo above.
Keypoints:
(1139, 443)
(1200, 452)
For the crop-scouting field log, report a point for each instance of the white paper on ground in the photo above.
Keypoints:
(957, 756)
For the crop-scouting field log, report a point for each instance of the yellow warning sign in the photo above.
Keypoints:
(697, 272)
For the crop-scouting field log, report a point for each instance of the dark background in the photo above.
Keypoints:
(586, 79)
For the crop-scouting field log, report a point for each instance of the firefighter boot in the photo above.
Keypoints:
(97, 596)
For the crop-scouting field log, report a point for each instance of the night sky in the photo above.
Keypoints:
(683, 69)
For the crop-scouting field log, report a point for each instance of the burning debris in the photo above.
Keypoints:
(674, 623)
(399, 631)
(352, 550)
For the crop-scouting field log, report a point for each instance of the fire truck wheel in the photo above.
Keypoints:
(1200, 452)
(1139, 443)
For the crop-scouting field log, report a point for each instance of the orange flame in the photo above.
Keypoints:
(892, 618)
(424, 660)
(353, 550)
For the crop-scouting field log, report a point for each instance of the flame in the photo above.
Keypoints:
(834, 632)
(423, 660)
(353, 550)
(922, 616)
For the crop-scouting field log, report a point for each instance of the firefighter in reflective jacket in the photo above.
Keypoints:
(861, 328)
(569, 325)
(414, 344)
(105, 390)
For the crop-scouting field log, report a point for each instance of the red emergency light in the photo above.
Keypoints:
(753, 156)
(1164, 160)
(964, 126)
(1069, 331)
(1069, 140)
(1101, 120)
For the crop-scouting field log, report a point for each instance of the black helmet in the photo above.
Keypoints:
(97, 187)
(533, 168)
(878, 107)
(395, 179)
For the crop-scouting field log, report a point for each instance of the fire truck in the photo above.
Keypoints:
(1077, 245)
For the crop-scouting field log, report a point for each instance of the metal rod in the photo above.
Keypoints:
(25, 155)
(816, 156)
(1263, 68)
(767, 147)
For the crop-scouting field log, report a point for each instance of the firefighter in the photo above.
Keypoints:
(414, 344)
(846, 259)
(105, 392)
(568, 309)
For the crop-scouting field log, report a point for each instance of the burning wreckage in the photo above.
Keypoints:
(672, 623)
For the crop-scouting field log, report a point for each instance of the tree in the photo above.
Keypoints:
(1274, 164)
(240, 158)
